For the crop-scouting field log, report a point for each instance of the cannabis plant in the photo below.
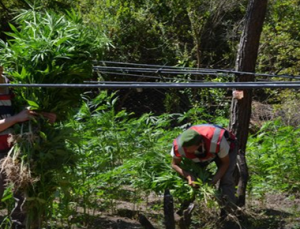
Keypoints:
(44, 48)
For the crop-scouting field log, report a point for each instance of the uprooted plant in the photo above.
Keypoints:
(46, 48)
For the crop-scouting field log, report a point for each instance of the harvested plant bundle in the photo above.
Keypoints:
(46, 48)
(15, 165)
(51, 48)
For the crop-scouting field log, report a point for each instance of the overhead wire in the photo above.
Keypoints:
(164, 69)
(135, 82)
(136, 75)
(160, 70)
(111, 85)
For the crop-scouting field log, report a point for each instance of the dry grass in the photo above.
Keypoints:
(16, 165)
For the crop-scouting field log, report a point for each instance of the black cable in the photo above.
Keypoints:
(235, 85)
(246, 83)
(133, 64)
(148, 77)
(186, 70)
(134, 75)
(155, 71)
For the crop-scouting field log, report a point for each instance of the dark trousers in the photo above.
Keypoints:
(227, 184)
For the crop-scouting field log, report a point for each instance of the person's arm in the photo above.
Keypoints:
(189, 177)
(20, 117)
(221, 170)
(50, 116)
(23, 116)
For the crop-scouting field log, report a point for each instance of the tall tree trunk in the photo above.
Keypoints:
(246, 61)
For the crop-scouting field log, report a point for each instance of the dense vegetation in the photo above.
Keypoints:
(98, 148)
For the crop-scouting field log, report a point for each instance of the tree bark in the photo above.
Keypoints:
(246, 62)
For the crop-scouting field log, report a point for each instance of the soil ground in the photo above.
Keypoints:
(273, 211)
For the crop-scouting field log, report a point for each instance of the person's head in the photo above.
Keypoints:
(190, 140)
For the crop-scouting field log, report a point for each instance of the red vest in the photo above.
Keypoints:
(5, 111)
(212, 136)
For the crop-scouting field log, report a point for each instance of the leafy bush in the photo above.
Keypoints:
(50, 48)
(117, 151)
(273, 158)
(122, 150)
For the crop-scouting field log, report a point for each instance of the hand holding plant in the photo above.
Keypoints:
(51, 117)
(25, 115)
(28, 114)
(191, 181)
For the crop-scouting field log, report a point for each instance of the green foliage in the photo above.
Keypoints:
(181, 33)
(117, 151)
(280, 40)
(124, 143)
(46, 47)
(36, 166)
(279, 50)
(288, 107)
(273, 156)
(50, 48)
(172, 32)
(57, 5)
